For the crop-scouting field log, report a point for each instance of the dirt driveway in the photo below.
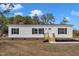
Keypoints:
(36, 48)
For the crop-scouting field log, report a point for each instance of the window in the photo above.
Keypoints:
(49, 28)
(15, 31)
(62, 30)
(37, 30)
(41, 30)
(34, 30)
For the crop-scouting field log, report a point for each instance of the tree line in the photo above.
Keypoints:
(44, 19)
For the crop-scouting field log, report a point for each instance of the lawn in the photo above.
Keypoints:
(37, 48)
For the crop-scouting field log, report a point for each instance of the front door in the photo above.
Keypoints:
(49, 30)
(51, 35)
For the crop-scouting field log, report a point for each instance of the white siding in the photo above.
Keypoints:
(68, 35)
(26, 32)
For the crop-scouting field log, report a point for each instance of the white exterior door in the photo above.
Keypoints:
(48, 30)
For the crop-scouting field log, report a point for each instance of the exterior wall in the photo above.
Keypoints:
(68, 35)
(26, 32)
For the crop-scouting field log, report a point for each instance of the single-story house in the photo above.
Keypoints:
(38, 31)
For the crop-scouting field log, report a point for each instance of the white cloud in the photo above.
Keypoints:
(37, 12)
(67, 18)
(18, 13)
(17, 6)
(3, 7)
(76, 13)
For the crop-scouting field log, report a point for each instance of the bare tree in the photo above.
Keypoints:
(48, 18)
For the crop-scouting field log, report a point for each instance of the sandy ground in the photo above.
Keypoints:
(37, 48)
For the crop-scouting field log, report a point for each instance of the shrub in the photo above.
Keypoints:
(4, 29)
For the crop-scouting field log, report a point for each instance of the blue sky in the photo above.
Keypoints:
(59, 10)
